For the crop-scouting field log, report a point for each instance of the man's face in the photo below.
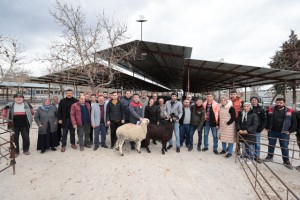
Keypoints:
(105, 95)
(154, 96)
(247, 107)
(174, 97)
(189, 97)
(233, 95)
(128, 94)
(279, 104)
(151, 102)
(55, 100)
(93, 99)
(87, 97)
(254, 102)
(144, 95)
(101, 99)
(136, 98)
(209, 98)
(82, 99)
(161, 101)
(186, 103)
(114, 96)
(119, 95)
(19, 100)
(199, 102)
(223, 102)
(69, 94)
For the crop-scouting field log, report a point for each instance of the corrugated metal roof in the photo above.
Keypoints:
(25, 85)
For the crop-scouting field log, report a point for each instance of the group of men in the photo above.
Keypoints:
(93, 115)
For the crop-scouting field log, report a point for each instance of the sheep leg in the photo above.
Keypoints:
(138, 147)
(163, 147)
(121, 147)
(146, 143)
(117, 145)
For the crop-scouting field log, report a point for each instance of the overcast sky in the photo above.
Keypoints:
(243, 32)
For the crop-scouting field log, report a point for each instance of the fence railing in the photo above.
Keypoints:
(7, 148)
(260, 174)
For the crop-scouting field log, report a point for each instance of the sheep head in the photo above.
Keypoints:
(145, 121)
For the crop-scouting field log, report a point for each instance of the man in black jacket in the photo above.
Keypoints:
(63, 116)
(298, 133)
(262, 123)
(282, 122)
(114, 116)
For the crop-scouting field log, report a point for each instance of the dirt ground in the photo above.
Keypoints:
(104, 174)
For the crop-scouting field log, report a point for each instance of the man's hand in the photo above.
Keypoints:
(40, 125)
(60, 121)
(286, 132)
(75, 126)
(122, 121)
(141, 119)
(157, 123)
(108, 123)
(241, 132)
(94, 126)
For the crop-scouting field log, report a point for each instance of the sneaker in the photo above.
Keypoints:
(216, 152)
(169, 147)
(177, 149)
(27, 153)
(222, 152)
(63, 149)
(104, 146)
(88, 145)
(228, 155)
(74, 146)
(258, 160)
(199, 148)
(95, 147)
(268, 159)
(288, 165)
(205, 149)
(81, 148)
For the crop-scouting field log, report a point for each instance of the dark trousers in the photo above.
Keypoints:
(59, 134)
(113, 128)
(67, 126)
(25, 136)
(91, 134)
(193, 128)
(298, 140)
(185, 134)
(100, 130)
(283, 141)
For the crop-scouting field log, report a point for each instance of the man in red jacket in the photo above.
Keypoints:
(81, 119)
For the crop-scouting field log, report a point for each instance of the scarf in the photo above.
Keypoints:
(46, 108)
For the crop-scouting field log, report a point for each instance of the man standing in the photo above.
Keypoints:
(298, 133)
(63, 116)
(144, 100)
(125, 104)
(93, 99)
(174, 107)
(262, 123)
(81, 119)
(212, 110)
(197, 121)
(114, 116)
(163, 115)
(190, 98)
(184, 122)
(19, 115)
(98, 119)
(136, 113)
(155, 96)
(282, 122)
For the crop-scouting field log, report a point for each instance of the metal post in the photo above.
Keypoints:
(188, 89)
(141, 31)
(245, 93)
(31, 95)
(49, 90)
(284, 93)
(7, 94)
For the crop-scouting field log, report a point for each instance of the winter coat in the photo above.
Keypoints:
(238, 106)
(64, 108)
(262, 118)
(125, 105)
(227, 130)
(176, 109)
(76, 113)
(136, 112)
(290, 120)
(8, 112)
(114, 112)
(96, 114)
(214, 113)
(250, 125)
(46, 118)
(152, 113)
(197, 117)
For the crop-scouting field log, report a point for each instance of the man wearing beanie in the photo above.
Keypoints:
(262, 123)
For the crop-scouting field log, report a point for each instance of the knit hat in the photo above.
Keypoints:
(254, 97)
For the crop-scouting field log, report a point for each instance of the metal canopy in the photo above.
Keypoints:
(162, 63)
(203, 75)
(74, 77)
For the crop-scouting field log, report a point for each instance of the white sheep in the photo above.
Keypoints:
(132, 132)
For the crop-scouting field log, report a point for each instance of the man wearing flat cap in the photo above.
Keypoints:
(20, 116)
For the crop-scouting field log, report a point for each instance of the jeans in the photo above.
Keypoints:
(248, 150)
(257, 144)
(25, 136)
(66, 127)
(185, 134)
(283, 141)
(214, 133)
(193, 128)
(176, 131)
(84, 131)
(101, 129)
(230, 147)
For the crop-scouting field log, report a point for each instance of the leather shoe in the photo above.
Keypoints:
(104, 146)
(74, 146)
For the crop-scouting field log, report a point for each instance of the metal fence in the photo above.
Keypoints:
(259, 175)
(7, 148)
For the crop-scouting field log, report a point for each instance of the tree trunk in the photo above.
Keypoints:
(276, 94)
(294, 96)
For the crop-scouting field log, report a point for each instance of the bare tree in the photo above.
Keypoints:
(11, 58)
(79, 45)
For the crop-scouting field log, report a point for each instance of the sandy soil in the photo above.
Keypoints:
(104, 174)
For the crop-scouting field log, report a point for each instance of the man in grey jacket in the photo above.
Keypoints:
(98, 118)
(174, 107)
